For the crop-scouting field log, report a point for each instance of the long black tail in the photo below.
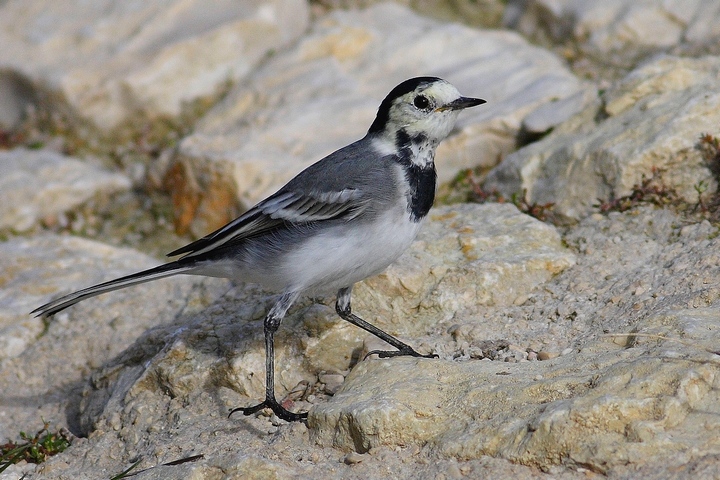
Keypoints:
(167, 270)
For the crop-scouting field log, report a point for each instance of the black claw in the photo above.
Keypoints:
(273, 405)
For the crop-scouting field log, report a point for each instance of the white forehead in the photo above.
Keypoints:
(442, 91)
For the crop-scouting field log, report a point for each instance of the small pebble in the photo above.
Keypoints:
(532, 356)
(331, 377)
(639, 291)
(621, 340)
(332, 382)
(520, 300)
(544, 355)
(453, 471)
(352, 458)
(332, 388)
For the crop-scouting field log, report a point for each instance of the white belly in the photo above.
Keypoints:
(332, 261)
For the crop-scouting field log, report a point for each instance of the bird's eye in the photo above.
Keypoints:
(421, 102)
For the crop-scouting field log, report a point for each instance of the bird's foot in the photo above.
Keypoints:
(273, 405)
(399, 353)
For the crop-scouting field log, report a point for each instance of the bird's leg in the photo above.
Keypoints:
(272, 322)
(342, 307)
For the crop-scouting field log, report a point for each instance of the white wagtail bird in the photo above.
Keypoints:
(341, 220)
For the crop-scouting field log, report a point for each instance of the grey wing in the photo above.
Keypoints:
(340, 185)
(283, 208)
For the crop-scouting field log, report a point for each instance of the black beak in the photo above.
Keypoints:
(461, 103)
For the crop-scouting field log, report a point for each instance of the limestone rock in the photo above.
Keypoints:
(572, 414)
(651, 119)
(628, 27)
(549, 115)
(35, 184)
(107, 61)
(482, 13)
(466, 257)
(47, 357)
(323, 93)
(613, 409)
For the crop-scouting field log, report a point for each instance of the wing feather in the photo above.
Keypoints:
(277, 211)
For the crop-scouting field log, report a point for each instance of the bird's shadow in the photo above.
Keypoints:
(217, 352)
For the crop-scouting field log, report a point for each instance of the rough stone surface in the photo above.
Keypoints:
(554, 113)
(324, 92)
(107, 61)
(467, 256)
(652, 119)
(479, 13)
(42, 364)
(35, 184)
(602, 406)
(533, 413)
(627, 27)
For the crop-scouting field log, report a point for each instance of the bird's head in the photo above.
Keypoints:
(426, 106)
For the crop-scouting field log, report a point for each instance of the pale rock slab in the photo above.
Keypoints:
(35, 184)
(481, 13)
(628, 27)
(613, 407)
(487, 254)
(323, 93)
(651, 119)
(633, 406)
(42, 360)
(108, 61)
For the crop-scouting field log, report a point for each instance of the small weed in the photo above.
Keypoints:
(534, 209)
(701, 187)
(650, 190)
(709, 147)
(33, 449)
(467, 183)
(12, 138)
(127, 472)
